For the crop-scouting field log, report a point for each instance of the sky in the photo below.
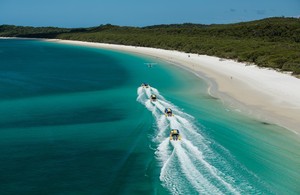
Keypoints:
(87, 13)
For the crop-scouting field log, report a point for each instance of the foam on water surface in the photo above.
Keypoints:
(185, 165)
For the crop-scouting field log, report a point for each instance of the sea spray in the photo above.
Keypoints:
(190, 165)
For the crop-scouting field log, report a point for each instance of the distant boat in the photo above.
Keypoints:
(153, 98)
(145, 85)
(168, 112)
(150, 64)
(174, 135)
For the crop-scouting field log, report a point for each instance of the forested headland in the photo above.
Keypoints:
(270, 42)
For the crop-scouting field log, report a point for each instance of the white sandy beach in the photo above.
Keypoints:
(265, 94)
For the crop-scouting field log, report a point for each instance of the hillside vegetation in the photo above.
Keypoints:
(271, 42)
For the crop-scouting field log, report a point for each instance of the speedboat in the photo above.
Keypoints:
(168, 112)
(174, 135)
(153, 98)
(145, 85)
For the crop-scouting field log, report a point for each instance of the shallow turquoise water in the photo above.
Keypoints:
(70, 123)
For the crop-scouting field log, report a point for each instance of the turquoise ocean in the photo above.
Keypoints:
(74, 120)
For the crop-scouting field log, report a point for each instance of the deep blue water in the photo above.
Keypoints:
(73, 120)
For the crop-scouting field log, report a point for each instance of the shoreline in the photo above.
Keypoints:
(264, 94)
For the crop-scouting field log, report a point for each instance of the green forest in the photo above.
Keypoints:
(270, 42)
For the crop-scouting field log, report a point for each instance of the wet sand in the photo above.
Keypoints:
(267, 95)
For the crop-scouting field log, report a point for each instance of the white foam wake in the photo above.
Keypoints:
(188, 166)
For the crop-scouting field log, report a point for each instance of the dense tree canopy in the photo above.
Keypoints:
(271, 42)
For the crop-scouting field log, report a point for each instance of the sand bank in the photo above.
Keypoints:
(265, 94)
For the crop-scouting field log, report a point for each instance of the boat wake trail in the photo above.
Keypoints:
(192, 165)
